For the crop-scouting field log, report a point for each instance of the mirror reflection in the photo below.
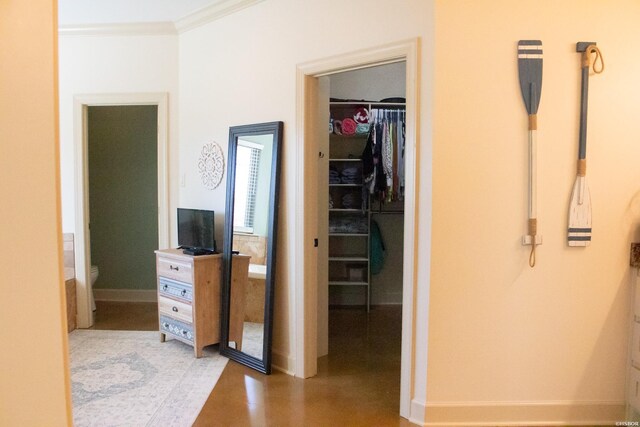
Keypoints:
(250, 243)
(250, 216)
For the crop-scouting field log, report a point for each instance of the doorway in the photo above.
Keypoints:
(123, 206)
(360, 258)
(159, 213)
(312, 99)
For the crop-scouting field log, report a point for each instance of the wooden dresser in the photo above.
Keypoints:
(189, 298)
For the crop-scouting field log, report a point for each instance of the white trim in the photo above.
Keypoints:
(126, 295)
(282, 363)
(124, 29)
(306, 291)
(82, 239)
(211, 13)
(193, 20)
(418, 412)
(525, 413)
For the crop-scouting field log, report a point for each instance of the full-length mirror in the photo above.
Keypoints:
(250, 243)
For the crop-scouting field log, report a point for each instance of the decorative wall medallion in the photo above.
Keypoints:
(211, 165)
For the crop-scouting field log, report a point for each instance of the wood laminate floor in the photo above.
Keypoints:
(126, 316)
(358, 383)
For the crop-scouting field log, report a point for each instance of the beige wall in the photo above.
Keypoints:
(34, 377)
(501, 333)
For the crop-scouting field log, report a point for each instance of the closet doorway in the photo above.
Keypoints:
(360, 269)
(311, 304)
(122, 191)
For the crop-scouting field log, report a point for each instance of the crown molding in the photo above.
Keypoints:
(125, 29)
(211, 13)
(193, 20)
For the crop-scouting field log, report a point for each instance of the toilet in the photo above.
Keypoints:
(94, 276)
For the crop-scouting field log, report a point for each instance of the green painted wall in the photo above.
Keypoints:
(123, 195)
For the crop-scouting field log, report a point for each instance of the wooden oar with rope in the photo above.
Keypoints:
(530, 75)
(579, 231)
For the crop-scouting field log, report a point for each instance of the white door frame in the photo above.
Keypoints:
(80, 136)
(304, 253)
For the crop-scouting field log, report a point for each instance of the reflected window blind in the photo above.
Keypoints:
(252, 187)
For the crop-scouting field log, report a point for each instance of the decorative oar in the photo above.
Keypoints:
(579, 232)
(530, 73)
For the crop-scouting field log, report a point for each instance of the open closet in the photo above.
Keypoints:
(366, 186)
(361, 230)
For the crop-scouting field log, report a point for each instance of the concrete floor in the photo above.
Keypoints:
(358, 383)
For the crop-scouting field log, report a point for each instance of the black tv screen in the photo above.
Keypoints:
(196, 229)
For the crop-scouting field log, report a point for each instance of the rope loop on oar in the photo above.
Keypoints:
(533, 230)
(532, 255)
(592, 48)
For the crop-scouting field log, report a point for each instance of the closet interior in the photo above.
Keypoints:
(367, 113)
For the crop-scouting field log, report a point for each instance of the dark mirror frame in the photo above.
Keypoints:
(235, 132)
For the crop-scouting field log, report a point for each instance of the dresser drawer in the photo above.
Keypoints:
(176, 309)
(175, 289)
(175, 327)
(175, 269)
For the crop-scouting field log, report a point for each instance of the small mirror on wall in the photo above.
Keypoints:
(249, 253)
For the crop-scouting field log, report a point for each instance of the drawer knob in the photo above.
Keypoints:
(165, 324)
(171, 267)
(165, 287)
(184, 292)
(175, 309)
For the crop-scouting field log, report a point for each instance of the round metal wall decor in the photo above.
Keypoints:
(211, 165)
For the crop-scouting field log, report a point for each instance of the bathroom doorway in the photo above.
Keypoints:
(130, 205)
(123, 202)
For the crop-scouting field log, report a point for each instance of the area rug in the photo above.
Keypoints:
(130, 378)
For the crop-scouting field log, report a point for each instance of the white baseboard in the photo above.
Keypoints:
(417, 412)
(126, 295)
(282, 363)
(542, 413)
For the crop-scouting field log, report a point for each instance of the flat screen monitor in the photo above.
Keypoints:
(196, 229)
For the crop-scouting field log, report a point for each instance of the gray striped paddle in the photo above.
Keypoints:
(530, 75)
(579, 230)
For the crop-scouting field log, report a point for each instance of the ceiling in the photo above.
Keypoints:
(88, 12)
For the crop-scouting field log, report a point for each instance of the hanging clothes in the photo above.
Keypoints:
(380, 180)
(383, 156)
(400, 157)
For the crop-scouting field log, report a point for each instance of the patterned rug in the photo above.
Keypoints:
(130, 378)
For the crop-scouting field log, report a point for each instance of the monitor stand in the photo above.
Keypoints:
(196, 251)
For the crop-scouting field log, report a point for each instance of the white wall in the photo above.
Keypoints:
(115, 64)
(370, 84)
(242, 69)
